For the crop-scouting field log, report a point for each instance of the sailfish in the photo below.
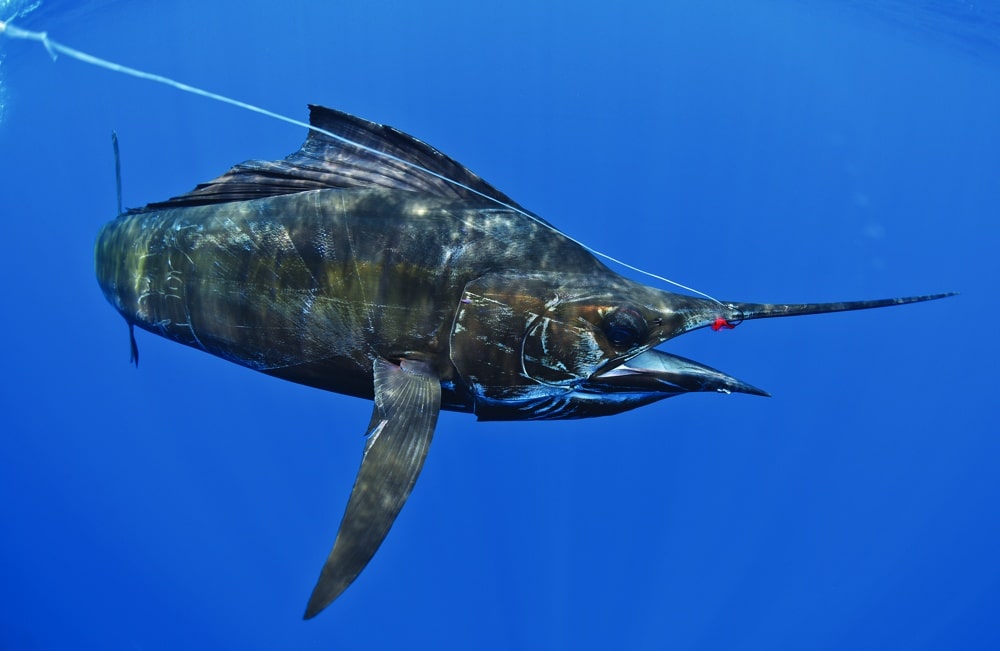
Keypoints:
(370, 264)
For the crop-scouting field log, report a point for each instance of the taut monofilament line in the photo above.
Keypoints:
(54, 48)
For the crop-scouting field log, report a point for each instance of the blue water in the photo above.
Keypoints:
(783, 151)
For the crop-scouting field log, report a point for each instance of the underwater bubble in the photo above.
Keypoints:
(9, 10)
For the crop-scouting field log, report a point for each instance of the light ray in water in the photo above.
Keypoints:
(55, 48)
(3, 92)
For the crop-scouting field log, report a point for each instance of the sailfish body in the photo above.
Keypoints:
(370, 264)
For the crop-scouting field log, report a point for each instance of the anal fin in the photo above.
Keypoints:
(407, 403)
(133, 348)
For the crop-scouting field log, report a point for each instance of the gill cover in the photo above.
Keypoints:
(519, 335)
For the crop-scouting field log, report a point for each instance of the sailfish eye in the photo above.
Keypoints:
(624, 327)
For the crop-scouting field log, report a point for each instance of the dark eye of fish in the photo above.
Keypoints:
(624, 327)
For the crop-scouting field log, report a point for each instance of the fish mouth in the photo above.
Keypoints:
(656, 372)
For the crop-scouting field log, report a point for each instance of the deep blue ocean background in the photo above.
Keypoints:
(779, 150)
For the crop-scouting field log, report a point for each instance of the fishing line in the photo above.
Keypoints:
(55, 48)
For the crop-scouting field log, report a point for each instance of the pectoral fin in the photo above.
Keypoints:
(407, 402)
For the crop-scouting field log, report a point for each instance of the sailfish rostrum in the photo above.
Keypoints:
(370, 264)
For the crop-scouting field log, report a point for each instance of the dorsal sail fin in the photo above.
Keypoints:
(325, 163)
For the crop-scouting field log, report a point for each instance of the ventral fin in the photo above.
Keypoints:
(327, 163)
(407, 403)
